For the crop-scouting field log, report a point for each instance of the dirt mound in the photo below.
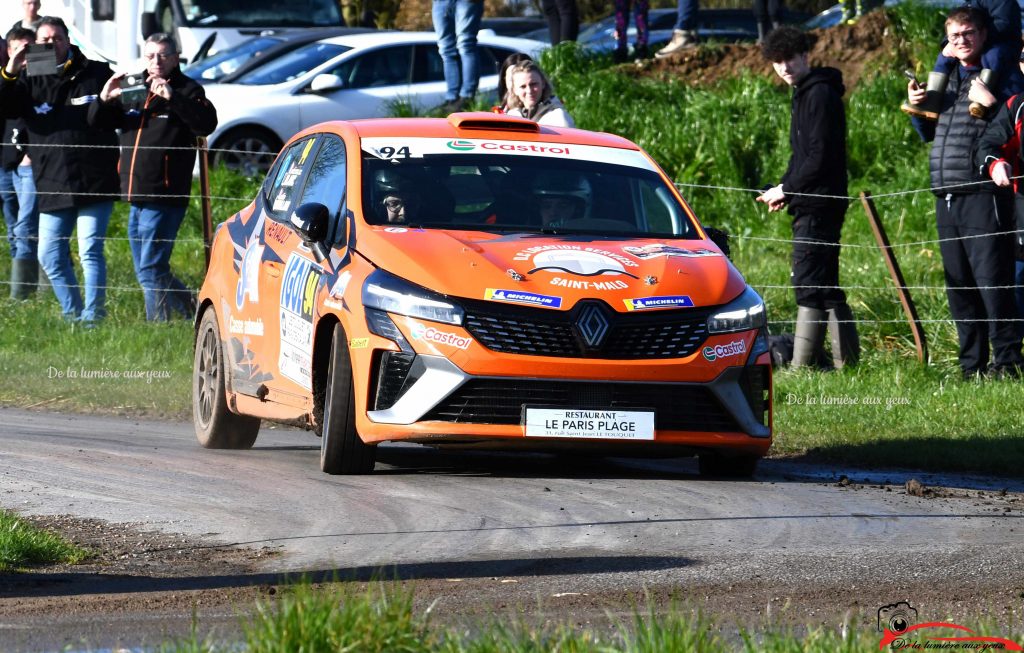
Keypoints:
(854, 49)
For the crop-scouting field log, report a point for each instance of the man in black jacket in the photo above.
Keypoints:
(74, 165)
(158, 139)
(814, 190)
(975, 218)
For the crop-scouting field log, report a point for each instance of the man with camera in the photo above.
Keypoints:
(160, 113)
(50, 85)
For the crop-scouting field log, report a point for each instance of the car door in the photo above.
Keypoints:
(285, 267)
(372, 83)
(428, 76)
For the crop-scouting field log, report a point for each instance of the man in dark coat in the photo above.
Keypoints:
(974, 217)
(814, 191)
(158, 140)
(74, 165)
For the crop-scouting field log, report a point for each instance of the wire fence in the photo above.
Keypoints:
(916, 244)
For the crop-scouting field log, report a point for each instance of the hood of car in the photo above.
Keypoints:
(556, 271)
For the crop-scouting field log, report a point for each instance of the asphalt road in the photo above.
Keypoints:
(549, 526)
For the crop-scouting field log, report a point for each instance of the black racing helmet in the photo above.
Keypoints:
(567, 185)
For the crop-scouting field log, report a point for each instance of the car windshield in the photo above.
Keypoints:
(521, 193)
(261, 13)
(292, 65)
(228, 60)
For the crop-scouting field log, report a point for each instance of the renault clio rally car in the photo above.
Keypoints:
(478, 281)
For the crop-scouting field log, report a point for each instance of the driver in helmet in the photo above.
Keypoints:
(396, 198)
(561, 197)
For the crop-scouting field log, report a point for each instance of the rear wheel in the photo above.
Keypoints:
(342, 451)
(714, 464)
(216, 426)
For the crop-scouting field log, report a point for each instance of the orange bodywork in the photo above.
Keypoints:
(277, 300)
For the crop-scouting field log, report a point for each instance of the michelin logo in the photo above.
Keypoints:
(517, 297)
(724, 351)
(668, 301)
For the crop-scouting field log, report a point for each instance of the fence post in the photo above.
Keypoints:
(897, 276)
(204, 189)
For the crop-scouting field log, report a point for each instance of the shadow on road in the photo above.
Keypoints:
(72, 584)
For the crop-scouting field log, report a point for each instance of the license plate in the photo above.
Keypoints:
(589, 424)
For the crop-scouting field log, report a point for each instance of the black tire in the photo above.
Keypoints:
(249, 150)
(216, 426)
(342, 451)
(713, 464)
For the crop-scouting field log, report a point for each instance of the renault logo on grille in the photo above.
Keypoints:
(593, 326)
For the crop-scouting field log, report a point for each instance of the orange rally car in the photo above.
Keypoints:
(478, 281)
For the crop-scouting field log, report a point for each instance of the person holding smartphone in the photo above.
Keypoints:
(74, 164)
(159, 114)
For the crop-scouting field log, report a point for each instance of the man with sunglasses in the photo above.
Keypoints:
(160, 113)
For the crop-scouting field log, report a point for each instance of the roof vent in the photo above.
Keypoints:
(483, 120)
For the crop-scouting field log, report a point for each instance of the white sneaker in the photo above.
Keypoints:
(682, 39)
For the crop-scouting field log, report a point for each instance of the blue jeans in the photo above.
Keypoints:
(26, 231)
(55, 256)
(456, 23)
(10, 208)
(686, 18)
(152, 229)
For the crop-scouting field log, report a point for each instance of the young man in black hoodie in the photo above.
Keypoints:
(813, 189)
(158, 139)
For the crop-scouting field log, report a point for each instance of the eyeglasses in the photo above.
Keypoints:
(394, 204)
(966, 35)
(159, 56)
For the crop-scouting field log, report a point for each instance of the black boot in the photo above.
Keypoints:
(24, 278)
(620, 54)
(640, 53)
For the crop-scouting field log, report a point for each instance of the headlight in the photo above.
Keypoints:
(388, 293)
(741, 314)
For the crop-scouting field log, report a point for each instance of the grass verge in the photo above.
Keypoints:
(22, 544)
(382, 619)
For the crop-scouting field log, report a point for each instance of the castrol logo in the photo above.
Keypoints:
(724, 351)
(438, 337)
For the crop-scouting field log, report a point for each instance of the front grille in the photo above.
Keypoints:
(543, 332)
(500, 401)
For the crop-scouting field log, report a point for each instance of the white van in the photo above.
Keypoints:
(114, 30)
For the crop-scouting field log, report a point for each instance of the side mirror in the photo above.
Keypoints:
(720, 238)
(324, 82)
(148, 24)
(310, 222)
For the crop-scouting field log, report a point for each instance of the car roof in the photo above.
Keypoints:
(478, 124)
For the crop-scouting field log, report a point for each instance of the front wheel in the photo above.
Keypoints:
(342, 451)
(216, 426)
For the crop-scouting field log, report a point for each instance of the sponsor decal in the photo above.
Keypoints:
(278, 232)
(249, 274)
(653, 251)
(395, 230)
(298, 296)
(576, 284)
(341, 285)
(306, 150)
(291, 176)
(438, 337)
(576, 260)
(43, 109)
(518, 297)
(418, 147)
(359, 343)
(667, 301)
(246, 327)
(734, 348)
(338, 306)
